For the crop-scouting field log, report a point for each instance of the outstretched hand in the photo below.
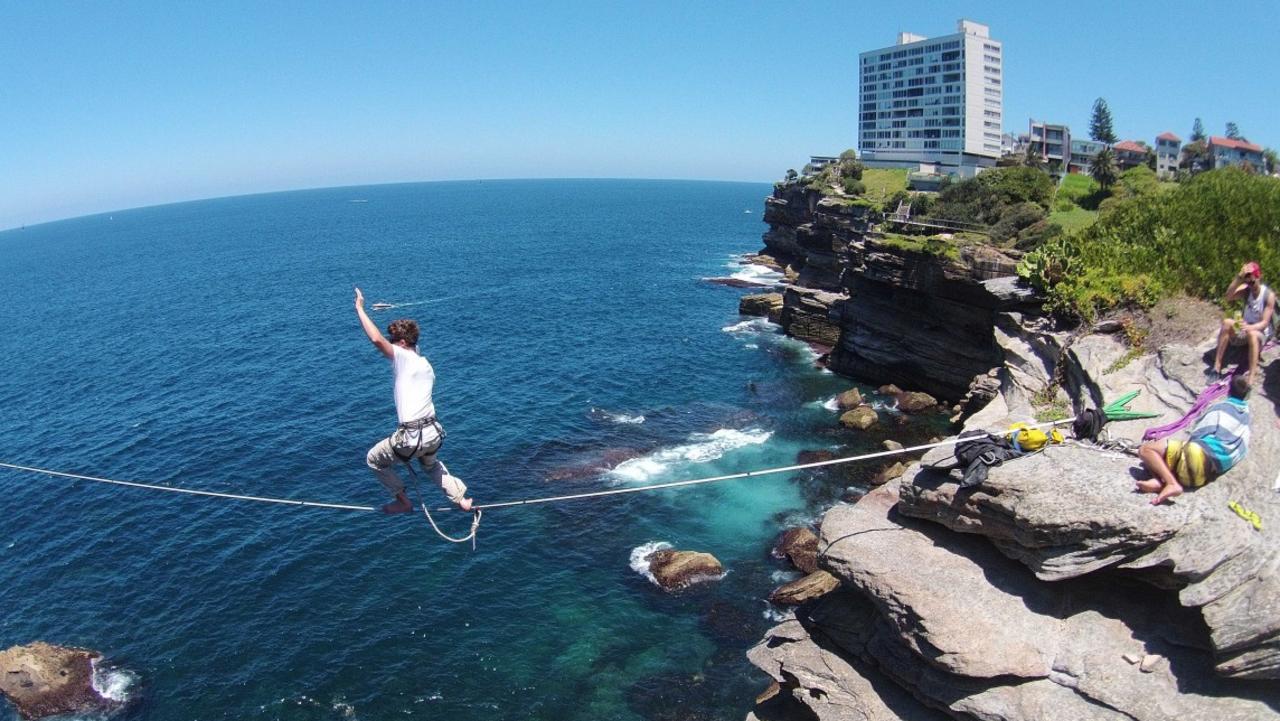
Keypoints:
(359, 298)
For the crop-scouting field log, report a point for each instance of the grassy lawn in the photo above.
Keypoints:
(883, 182)
(1074, 219)
(1076, 186)
(933, 245)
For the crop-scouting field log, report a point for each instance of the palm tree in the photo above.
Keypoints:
(1103, 168)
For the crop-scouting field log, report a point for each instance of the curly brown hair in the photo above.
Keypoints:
(403, 330)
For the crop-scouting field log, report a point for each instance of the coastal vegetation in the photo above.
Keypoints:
(1154, 241)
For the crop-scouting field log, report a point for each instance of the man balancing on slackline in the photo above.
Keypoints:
(419, 434)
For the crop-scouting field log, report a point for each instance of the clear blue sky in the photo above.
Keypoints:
(113, 105)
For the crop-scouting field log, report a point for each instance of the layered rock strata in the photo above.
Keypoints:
(890, 313)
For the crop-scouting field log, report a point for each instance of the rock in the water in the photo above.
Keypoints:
(889, 389)
(861, 418)
(804, 457)
(800, 547)
(916, 402)
(889, 473)
(804, 589)
(41, 679)
(892, 445)
(768, 305)
(674, 570)
(851, 398)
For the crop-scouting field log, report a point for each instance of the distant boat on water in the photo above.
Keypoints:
(358, 200)
(747, 211)
(382, 306)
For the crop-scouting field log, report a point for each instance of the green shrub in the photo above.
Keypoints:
(1014, 219)
(1145, 246)
(852, 186)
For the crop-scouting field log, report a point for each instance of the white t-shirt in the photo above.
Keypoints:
(414, 379)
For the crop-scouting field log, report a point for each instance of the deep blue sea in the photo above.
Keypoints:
(577, 347)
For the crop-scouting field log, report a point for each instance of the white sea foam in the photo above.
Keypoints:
(626, 419)
(781, 576)
(113, 684)
(640, 558)
(832, 403)
(701, 448)
(751, 325)
(776, 615)
(757, 273)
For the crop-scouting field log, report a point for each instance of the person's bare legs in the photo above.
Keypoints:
(1227, 330)
(1255, 352)
(1165, 485)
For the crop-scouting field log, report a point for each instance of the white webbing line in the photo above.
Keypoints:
(189, 491)
(749, 474)
(526, 502)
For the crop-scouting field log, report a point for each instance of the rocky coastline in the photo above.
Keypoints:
(1052, 590)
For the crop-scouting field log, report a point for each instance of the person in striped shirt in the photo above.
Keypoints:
(1219, 440)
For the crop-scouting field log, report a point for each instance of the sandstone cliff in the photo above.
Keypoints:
(892, 313)
(1052, 590)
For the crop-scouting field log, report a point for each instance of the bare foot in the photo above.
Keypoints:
(465, 504)
(1149, 486)
(400, 505)
(1170, 491)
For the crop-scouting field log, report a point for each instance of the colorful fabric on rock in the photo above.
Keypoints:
(1189, 463)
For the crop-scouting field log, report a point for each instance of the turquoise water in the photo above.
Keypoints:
(213, 345)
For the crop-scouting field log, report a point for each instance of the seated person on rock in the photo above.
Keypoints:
(1254, 328)
(1218, 441)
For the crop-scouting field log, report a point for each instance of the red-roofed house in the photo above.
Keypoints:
(1168, 146)
(1129, 154)
(1226, 151)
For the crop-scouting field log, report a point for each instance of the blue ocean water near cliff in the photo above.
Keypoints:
(213, 345)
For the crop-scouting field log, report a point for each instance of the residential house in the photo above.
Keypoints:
(1168, 149)
(1225, 152)
(1082, 155)
(1130, 154)
(1051, 142)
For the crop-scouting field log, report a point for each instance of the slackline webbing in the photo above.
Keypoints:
(525, 502)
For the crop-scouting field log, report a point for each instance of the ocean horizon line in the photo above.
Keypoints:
(5, 230)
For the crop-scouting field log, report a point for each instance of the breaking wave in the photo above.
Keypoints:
(701, 448)
(640, 558)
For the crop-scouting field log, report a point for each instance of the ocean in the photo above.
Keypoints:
(578, 347)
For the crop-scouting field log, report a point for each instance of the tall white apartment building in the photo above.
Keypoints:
(933, 100)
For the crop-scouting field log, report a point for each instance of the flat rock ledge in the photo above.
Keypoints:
(930, 624)
(676, 570)
(41, 679)
(1072, 511)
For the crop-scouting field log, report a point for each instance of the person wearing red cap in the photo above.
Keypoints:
(1254, 327)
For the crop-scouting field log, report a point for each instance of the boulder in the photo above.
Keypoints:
(889, 390)
(800, 547)
(812, 586)
(768, 305)
(889, 473)
(851, 398)
(916, 402)
(41, 680)
(675, 570)
(860, 418)
(892, 445)
(804, 457)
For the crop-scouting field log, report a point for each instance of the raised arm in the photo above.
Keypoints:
(1238, 287)
(371, 330)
